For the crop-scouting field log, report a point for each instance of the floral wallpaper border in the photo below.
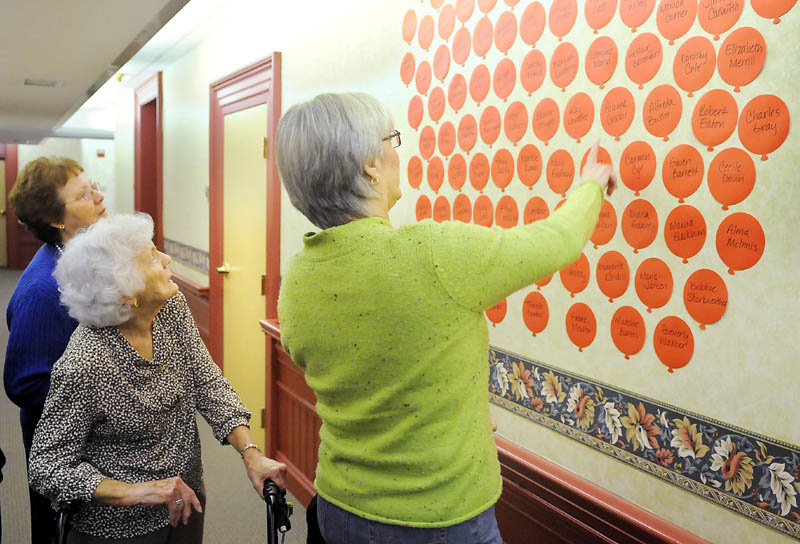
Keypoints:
(755, 476)
(188, 255)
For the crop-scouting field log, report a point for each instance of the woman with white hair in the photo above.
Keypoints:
(118, 430)
(388, 325)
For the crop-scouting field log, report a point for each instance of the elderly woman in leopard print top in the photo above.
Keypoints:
(118, 430)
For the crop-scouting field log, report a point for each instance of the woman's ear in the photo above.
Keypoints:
(371, 169)
(130, 301)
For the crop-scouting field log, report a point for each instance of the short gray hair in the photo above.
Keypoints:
(322, 147)
(98, 268)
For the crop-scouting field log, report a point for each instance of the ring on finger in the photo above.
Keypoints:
(179, 502)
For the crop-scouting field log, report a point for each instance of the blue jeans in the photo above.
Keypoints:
(339, 526)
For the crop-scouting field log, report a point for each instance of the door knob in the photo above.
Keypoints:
(224, 269)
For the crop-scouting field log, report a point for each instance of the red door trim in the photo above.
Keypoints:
(9, 153)
(147, 92)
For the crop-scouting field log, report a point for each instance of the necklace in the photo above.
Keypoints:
(60, 249)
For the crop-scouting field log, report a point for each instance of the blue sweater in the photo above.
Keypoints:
(39, 330)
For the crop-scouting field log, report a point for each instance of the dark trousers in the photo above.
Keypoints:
(43, 517)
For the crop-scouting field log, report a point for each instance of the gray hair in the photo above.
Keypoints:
(322, 147)
(98, 268)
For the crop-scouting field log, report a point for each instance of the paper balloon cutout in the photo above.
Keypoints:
(714, 117)
(483, 211)
(409, 26)
(423, 208)
(427, 142)
(436, 4)
(643, 58)
(441, 62)
(694, 64)
(717, 18)
(740, 241)
(457, 92)
(742, 57)
(479, 83)
(731, 176)
(497, 313)
(575, 277)
(545, 119)
(560, 171)
(426, 31)
(613, 275)
(628, 331)
(414, 172)
(489, 125)
(505, 31)
(541, 283)
(662, 111)
(562, 17)
(653, 283)
(467, 132)
(423, 77)
(447, 138)
(535, 209)
(436, 103)
(464, 9)
(764, 124)
(579, 116)
(479, 172)
(673, 342)
(617, 111)
(685, 231)
(606, 225)
(486, 5)
(502, 168)
(416, 109)
(535, 313)
(447, 22)
(507, 214)
(505, 77)
(705, 297)
(511, 3)
(599, 13)
(637, 166)
(634, 13)
(532, 73)
(772, 9)
(441, 210)
(435, 174)
(564, 65)
(462, 44)
(407, 68)
(683, 171)
(531, 24)
(639, 224)
(462, 209)
(515, 122)
(674, 18)
(603, 157)
(601, 60)
(581, 325)
(457, 172)
(529, 165)
(482, 37)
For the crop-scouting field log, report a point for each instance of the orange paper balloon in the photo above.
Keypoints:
(742, 57)
(643, 58)
(662, 111)
(436, 102)
(462, 44)
(613, 275)
(482, 37)
(505, 31)
(529, 165)
(683, 171)
(447, 138)
(541, 283)
(447, 21)
(441, 62)
(505, 77)
(653, 283)
(535, 313)
(464, 9)
(575, 277)
(562, 17)
(599, 13)
(416, 110)
(407, 68)
(740, 241)
(489, 125)
(564, 65)
(502, 168)
(637, 166)
(435, 174)
(457, 92)
(694, 64)
(628, 331)
(515, 121)
(705, 297)
(545, 119)
(427, 142)
(601, 60)
(423, 208)
(531, 24)
(436, 4)
(673, 342)
(409, 26)
(426, 31)
(483, 211)
(507, 214)
(535, 209)
(497, 313)
(532, 72)
(617, 111)
(486, 5)
(685, 231)
(479, 83)
(467, 132)
(462, 209)
(772, 9)
(457, 171)
(581, 325)
(441, 210)
(560, 171)
(764, 124)
(579, 116)
(415, 172)
(714, 117)
(634, 13)
(717, 18)
(479, 171)
(423, 77)
(606, 225)
(639, 224)
(731, 176)
(674, 18)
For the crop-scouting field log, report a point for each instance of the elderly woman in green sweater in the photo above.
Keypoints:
(388, 325)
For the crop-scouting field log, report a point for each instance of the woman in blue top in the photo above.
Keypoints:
(54, 199)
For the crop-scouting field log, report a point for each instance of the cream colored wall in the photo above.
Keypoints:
(123, 151)
(742, 367)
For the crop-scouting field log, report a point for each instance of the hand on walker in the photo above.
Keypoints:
(260, 468)
(179, 497)
(600, 172)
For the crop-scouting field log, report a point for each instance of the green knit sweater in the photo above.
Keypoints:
(389, 328)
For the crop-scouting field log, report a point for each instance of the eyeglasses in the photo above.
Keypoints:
(394, 137)
(87, 194)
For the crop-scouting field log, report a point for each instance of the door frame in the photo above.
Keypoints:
(147, 92)
(253, 85)
(8, 152)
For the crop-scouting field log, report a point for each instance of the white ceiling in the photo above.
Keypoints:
(79, 44)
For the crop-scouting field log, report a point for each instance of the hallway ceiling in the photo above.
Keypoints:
(72, 48)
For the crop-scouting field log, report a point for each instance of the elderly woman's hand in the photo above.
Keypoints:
(260, 468)
(600, 172)
(179, 497)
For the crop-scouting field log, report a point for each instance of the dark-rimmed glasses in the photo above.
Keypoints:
(394, 137)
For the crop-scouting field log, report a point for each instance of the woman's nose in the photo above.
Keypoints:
(98, 197)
